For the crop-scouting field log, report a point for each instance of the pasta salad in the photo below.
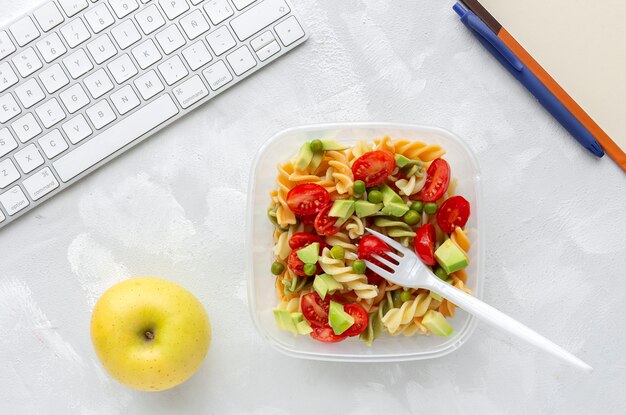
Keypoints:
(325, 198)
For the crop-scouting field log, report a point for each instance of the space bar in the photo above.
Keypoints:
(116, 137)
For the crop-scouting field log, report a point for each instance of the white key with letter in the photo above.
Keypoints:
(217, 75)
(149, 19)
(218, 10)
(74, 98)
(123, 8)
(98, 83)
(149, 84)
(53, 144)
(221, 40)
(26, 127)
(8, 108)
(7, 76)
(40, 184)
(242, 4)
(29, 93)
(51, 47)
(125, 34)
(146, 54)
(75, 33)
(124, 99)
(29, 158)
(8, 173)
(241, 60)
(50, 113)
(48, 16)
(99, 18)
(6, 45)
(190, 91)
(27, 62)
(173, 70)
(14, 200)
(258, 17)
(122, 68)
(53, 78)
(197, 55)
(24, 31)
(194, 24)
(78, 64)
(174, 8)
(77, 129)
(119, 135)
(71, 7)
(7, 142)
(101, 114)
(101, 48)
(170, 39)
(289, 31)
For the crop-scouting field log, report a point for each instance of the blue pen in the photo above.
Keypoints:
(508, 59)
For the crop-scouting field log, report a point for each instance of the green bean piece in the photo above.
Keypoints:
(375, 196)
(439, 272)
(310, 269)
(316, 145)
(430, 208)
(417, 206)
(359, 266)
(277, 268)
(337, 252)
(359, 187)
(405, 296)
(411, 217)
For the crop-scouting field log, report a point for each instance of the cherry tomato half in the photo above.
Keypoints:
(437, 181)
(327, 335)
(308, 219)
(374, 167)
(360, 317)
(302, 239)
(307, 199)
(373, 278)
(369, 245)
(452, 213)
(425, 244)
(315, 310)
(324, 224)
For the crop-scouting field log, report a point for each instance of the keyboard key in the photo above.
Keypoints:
(101, 48)
(190, 92)
(78, 63)
(48, 16)
(98, 83)
(29, 93)
(115, 138)
(8, 173)
(197, 55)
(221, 40)
(124, 99)
(8, 108)
(123, 8)
(241, 60)
(289, 31)
(99, 18)
(52, 144)
(71, 7)
(218, 10)
(24, 31)
(53, 78)
(242, 4)
(146, 53)
(262, 40)
(122, 68)
(217, 75)
(14, 200)
(77, 129)
(27, 62)
(7, 76)
(29, 158)
(174, 8)
(7, 142)
(50, 113)
(101, 114)
(170, 39)
(26, 127)
(149, 19)
(258, 17)
(194, 24)
(75, 33)
(195, 2)
(268, 51)
(173, 70)
(51, 47)
(2, 217)
(40, 184)
(149, 85)
(125, 34)
(6, 45)
(74, 98)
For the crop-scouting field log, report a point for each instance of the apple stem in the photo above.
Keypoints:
(149, 335)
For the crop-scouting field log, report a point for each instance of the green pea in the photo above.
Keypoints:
(375, 196)
(337, 252)
(430, 208)
(405, 296)
(359, 187)
(277, 268)
(411, 217)
(310, 269)
(396, 297)
(359, 266)
(441, 273)
(316, 145)
(417, 206)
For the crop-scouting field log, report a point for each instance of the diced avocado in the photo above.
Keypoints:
(435, 296)
(437, 323)
(389, 196)
(284, 321)
(332, 145)
(318, 156)
(342, 209)
(401, 160)
(364, 208)
(304, 327)
(451, 257)
(339, 320)
(324, 284)
(304, 157)
(309, 254)
(395, 209)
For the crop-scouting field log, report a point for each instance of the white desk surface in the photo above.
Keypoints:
(174, 207)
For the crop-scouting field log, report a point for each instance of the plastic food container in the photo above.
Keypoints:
(261, 292)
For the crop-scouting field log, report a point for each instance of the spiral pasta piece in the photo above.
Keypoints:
(343, 240)
(411, 186)
(459, 278)
(344, 274)
(342, 173)
(385, 144)
(292, 305)
(397, 317)
(357, 151)
(326, 181)
(355, 227)
(284, 215)
(415, 150)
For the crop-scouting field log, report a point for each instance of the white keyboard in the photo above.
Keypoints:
(82, 81)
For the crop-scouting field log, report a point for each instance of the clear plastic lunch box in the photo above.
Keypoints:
(261, 292)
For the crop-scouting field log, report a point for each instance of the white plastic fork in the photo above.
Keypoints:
(410, 272)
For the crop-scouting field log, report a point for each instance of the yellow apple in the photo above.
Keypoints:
(150, 334)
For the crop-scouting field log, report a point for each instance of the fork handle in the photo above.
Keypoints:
(498, 319)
